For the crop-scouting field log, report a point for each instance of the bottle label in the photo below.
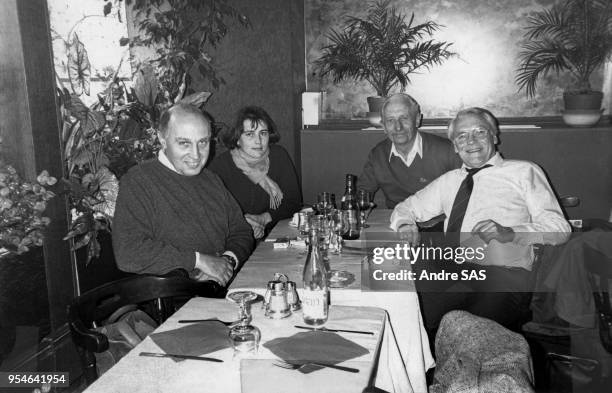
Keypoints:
(314, 304)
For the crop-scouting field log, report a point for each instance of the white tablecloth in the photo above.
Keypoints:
(144, 374)
(406, 323)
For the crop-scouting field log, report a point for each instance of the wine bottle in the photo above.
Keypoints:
(315, 300)
(350, 210)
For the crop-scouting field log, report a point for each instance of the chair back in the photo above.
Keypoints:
(93, 307)
(599, 268)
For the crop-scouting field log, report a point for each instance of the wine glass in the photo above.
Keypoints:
(243, 336)
(319, 222)
(304, 226)
(339, 228)
(365, 203)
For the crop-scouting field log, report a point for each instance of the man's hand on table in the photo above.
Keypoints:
(211, 267)
(258, 222)
(409, 233)
(488, 230)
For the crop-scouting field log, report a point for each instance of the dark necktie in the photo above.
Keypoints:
(453, 230)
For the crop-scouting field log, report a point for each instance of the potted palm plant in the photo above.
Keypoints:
(573, 36)
(383, 48)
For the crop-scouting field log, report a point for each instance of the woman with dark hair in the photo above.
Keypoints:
(259, 173)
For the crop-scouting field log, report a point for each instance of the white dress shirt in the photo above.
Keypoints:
(417, 148)
(513, 193)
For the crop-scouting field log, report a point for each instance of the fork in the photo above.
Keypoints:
(297, 366)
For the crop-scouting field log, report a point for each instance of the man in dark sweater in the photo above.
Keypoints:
(407, 160)
(171, 213)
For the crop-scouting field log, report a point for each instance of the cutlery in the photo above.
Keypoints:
(172, 355)
(324, 329)
(207, 320)
(297, 366)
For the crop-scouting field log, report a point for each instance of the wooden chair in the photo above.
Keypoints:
(93, 307)
(599, 267)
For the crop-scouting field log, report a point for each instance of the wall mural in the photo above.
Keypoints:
(486, 35)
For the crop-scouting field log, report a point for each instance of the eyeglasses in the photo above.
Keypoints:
(477, 133)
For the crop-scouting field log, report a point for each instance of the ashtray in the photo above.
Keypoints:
(340, 278)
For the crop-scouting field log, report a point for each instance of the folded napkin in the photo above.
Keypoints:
(194, 339)
(315, 346)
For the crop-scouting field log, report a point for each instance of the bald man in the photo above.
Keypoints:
(407, 160)
(171, 213)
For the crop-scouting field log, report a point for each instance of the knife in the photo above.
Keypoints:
(208, 320)
(334, 330)
(172, 355)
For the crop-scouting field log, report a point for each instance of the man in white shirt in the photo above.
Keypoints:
(501, 207)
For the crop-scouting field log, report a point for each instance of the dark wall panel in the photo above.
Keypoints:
(577, 161)
(261, 64)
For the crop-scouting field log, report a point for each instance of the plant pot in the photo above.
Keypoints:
(375, 106)
(582, 101)
(375, 103)
(375, 119)
(581, 117)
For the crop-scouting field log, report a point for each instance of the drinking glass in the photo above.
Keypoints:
(324, 203)
(304, 226)
(364, 201)
(339, 228)
(243, 336)
(322, 224)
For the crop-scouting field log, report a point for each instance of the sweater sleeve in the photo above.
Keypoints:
(134, 243)
(367, 180)
(287, 180)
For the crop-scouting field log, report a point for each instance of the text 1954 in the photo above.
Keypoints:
(33, 379)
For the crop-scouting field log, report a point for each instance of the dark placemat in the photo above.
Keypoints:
(194, 339)
(317, 346)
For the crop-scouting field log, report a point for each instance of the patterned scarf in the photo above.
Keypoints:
(256, 169)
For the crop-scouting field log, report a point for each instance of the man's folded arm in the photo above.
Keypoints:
(422, 206)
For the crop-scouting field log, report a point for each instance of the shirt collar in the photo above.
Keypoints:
(496, 160)
(161, 156)
(417, 148)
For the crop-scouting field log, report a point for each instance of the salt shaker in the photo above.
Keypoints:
(292, 296)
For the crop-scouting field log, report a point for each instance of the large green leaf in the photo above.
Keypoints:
(146, 85)
(79, 68)
(76, 107)
(93, 122)
(196, 99)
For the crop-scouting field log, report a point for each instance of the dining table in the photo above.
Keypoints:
(390, 350)
(405, 324)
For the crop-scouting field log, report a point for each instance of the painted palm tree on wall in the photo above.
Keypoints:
(383, 48)
(574, 36)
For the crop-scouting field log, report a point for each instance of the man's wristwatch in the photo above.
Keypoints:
(231, 260)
